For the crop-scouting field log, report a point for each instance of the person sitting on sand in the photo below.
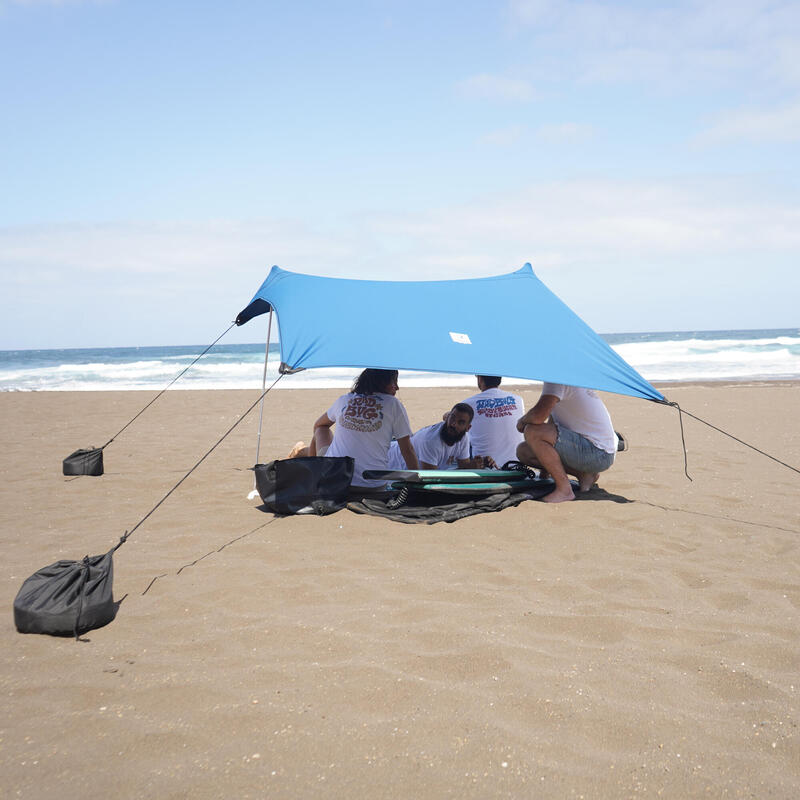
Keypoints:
(367, 420)
(494, 430)
(568, 431)
(443, 445)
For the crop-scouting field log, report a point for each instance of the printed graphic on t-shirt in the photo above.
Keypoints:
(496, 407)
(363, 413)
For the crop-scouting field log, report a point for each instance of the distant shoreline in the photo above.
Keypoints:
(688, 384)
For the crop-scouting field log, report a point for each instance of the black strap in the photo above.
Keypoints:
(520, 467)
(180, 374)
(398, 501)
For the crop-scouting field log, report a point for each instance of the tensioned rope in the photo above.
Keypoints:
(180, 374)
(682, 411)
(127, 534)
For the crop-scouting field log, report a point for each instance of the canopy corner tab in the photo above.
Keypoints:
(255, 309)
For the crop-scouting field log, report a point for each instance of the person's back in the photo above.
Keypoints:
(582, 410)
(366, 424)
(494, 427)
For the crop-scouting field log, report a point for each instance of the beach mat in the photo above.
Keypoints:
(429, 510)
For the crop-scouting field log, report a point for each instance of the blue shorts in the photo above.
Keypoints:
(579, 454)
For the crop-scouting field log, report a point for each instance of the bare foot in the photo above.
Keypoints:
(559, 496)
(586, 480)
(299, 449)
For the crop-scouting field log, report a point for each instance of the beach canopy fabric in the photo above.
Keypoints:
(510, 325)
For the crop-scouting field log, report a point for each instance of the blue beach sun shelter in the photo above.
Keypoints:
(510, 325)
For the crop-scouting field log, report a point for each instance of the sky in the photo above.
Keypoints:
(157, 158)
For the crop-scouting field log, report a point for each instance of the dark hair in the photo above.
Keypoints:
(464, 408)
(373, 380)
(491, 381)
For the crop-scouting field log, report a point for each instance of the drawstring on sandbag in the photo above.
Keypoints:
(84, 578)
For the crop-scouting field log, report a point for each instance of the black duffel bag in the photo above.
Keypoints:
(307, 485)
(67, 598)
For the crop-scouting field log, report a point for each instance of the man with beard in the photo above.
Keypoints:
(443, 445)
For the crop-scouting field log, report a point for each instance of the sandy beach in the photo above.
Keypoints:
(642, 641)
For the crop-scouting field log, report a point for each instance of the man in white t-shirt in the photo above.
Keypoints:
(367, 420)
(494, 430)
(568, 431)
(443, 445)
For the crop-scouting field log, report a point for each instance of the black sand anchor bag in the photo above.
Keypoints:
(84, 462)
(310, 485)
(67, 598)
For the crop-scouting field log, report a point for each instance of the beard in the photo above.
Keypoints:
(450, 437)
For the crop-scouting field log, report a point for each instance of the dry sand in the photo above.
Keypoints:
(642, 642)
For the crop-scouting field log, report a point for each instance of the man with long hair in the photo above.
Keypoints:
(368, 418)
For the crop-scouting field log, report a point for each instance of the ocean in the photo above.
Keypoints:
(682, 356)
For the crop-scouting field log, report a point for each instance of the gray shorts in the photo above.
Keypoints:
(578, 453)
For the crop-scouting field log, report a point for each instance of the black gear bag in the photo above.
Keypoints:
(307, 485)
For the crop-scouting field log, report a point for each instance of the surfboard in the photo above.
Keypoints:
(449, 476)
(494, 487)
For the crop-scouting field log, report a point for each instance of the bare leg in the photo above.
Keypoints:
(526, 456)
(321, 439)
(300, 449)
(541, 440)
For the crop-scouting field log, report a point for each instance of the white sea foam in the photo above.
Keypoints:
(667, 357)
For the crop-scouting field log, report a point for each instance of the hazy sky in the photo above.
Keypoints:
(157, 158)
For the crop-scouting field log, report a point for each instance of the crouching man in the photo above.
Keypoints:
(568, 432)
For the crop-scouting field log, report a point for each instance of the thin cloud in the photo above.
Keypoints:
(497, 88)
(749, 125)
(584, 221)
(58, 2)
(683, 44)
(587, 235)
(503, 137)
(564, 132)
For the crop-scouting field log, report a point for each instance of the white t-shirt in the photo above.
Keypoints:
(365, 427)
(494, 427)
(430, 448)
(582, 410)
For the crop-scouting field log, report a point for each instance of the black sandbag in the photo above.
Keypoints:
(84, 462)
(307, 485)
(67, 598)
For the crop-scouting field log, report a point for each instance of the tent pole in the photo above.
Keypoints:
(254, 492)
